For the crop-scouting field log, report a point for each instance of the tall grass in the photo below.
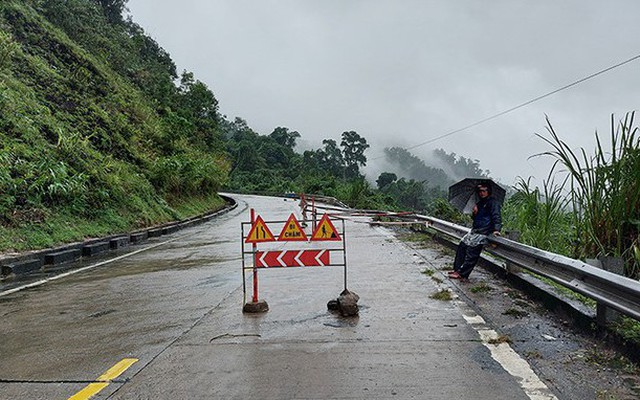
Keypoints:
(541, 216)
(605, 191)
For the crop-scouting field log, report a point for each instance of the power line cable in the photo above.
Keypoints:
(526, 103)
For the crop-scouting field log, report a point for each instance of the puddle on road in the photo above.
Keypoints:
(125, 267)
(157, 265)
(101, 313)
(192, 245)
(343, 323)
(215, 281)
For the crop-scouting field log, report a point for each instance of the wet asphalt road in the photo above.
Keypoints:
(177, 308)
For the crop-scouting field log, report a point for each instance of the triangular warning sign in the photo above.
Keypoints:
(292, 231)
(259, 232)
(325, 230)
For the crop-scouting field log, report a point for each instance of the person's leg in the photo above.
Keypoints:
(461, 253)
(470, 260)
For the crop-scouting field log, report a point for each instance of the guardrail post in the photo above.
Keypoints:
(606, 315)
(511, 267)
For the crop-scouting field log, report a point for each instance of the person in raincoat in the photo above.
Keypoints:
(487, 220)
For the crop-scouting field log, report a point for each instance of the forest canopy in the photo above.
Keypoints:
(100, 133)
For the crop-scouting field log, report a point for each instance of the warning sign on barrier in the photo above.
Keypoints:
(292, 231)
(272, 255)
(325, 230)
(259, 232)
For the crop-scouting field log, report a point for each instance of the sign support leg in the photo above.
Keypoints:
(255, 306)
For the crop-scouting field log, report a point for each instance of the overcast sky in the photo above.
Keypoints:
(403, 72)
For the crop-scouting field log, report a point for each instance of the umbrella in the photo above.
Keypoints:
(463, 195)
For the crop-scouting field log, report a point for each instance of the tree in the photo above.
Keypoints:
(412, 167)
(196, 103)
(113, 9)
(385, 179)
(247, 157)
(275, 155)
(284, 137)
(409, 194)
(353, 148)
(460, 167)
(197, 98)
(331, 157)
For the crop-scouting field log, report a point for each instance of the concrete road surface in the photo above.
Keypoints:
(175, 312)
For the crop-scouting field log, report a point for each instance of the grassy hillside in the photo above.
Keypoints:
(95, 137)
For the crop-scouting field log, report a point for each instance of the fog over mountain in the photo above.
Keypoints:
(402, 73)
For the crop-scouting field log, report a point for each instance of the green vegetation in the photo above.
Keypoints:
(442, 295)
(541, 217)
(269, 164)
(481, 287)
(428, 272)
(605, 193)
(100, 134)
(628, 329)
(500, 339)
(594, 211)
(610, 359)
(95, 138)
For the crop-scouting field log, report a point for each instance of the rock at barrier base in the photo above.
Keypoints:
(253, 308)
(333, 305)
(346, 303)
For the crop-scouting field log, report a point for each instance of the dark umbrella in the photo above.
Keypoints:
(463, 195)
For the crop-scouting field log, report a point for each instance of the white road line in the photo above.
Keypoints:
(75, 271)
(511, 361)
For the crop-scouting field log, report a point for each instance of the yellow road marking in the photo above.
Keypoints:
(91, 390)
(103, 380)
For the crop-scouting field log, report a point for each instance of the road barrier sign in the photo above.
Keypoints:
(293, 258)
(292, 231)
(325, 231)
(259, 232)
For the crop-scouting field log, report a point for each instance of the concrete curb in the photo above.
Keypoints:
(41, 260)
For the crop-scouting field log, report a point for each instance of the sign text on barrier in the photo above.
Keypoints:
(292, 231)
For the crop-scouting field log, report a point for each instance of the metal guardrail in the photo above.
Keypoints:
(615, 291)
(326, 199)
(606, 288)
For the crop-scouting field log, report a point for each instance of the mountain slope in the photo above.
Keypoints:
(95, 137)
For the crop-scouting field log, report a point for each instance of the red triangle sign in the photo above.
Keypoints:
(292, 231)
(325, 230)
(259, 232)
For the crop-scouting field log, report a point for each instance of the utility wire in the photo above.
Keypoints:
(526, 103)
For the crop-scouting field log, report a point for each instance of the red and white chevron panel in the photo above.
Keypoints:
(292, 258)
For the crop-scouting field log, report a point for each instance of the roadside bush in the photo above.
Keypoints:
(543, 218)
(605, 192)
(192, 174)
(8, 47)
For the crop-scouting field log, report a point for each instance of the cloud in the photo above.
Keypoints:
(403, 72)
